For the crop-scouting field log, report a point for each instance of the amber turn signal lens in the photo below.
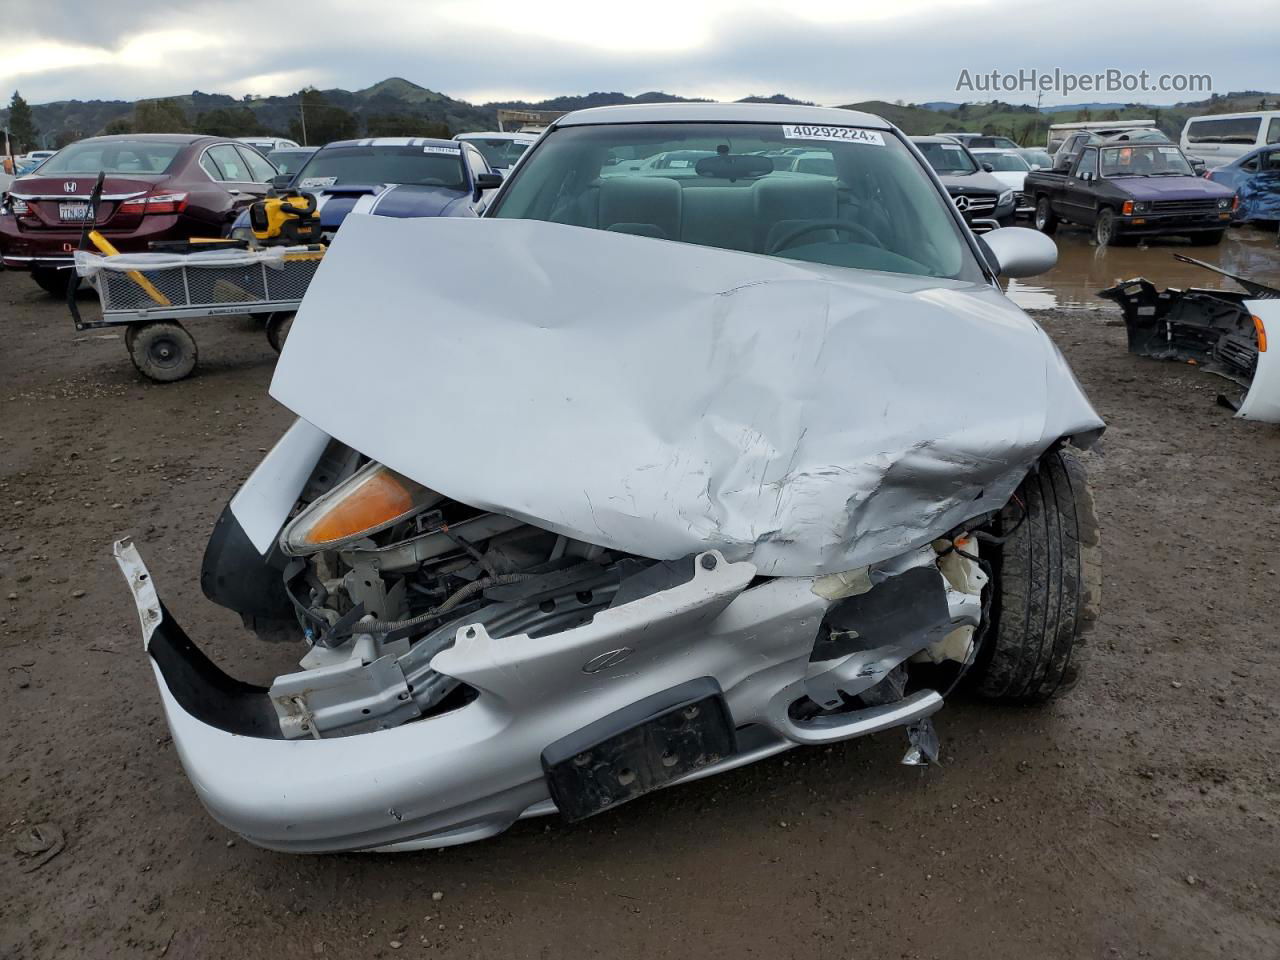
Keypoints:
(372, 500)
(1128, 207)
(380, 499)
(1262, 333)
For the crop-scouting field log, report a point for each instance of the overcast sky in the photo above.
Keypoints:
(829, 51)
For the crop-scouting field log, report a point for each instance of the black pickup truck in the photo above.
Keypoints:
(1126, 190)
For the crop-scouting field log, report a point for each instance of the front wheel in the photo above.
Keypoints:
(1047, 585)
(162, 350)
(1104, 228)
(1046, 221)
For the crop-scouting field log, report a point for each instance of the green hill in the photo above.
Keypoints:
(399, 104)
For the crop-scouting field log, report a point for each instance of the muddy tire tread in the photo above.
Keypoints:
(1049, 585)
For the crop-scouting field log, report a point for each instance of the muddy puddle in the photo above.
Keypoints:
(1084, 269)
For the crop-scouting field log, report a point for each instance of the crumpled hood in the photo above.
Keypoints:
(1260, 197)
(663, 398)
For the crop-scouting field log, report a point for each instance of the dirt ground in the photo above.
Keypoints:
(1137, 818)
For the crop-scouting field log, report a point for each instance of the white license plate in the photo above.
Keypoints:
(73, 211)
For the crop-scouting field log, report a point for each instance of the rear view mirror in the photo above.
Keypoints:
(1019, 251)
(734, 166)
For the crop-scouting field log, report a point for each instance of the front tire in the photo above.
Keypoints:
(1104, 228)
(1045, 219)
(163, 350)
(1047, 586)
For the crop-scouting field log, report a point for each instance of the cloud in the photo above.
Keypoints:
(829, 51)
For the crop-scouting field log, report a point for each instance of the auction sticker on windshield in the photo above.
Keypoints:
(851, 134)
(451, 151)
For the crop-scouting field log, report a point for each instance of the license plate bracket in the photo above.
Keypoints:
(638, 749)
(75, 211)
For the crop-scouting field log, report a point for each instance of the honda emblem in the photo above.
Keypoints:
(70, 186)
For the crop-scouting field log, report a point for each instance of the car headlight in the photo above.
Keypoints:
(1141, 206)
(374, 499)
(1004, 198)
(1224, 203)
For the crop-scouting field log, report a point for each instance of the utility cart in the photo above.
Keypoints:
(152, 294)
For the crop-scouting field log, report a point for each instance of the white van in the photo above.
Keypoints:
(1222, 137)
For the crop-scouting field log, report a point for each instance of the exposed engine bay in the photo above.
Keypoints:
(382, 573)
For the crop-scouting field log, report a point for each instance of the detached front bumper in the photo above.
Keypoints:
(472, 772)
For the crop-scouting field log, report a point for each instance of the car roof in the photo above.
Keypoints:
(938, 138)
(993, 150)
(182, 138)
(394, 142)
(1243, 115)
(722, 113)
(496, 135)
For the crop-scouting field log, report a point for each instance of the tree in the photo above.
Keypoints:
(65, 137)
(117, 126)
(319, 122)
(159, 116)
(404, 125)
(229, 122)
(22, 128)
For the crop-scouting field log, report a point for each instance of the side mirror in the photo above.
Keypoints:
(1019, 251)
(488, 181)
(1035, 166)
(988, 167)
(281, 181)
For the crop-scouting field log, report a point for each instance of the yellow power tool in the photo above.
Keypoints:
(287, 220)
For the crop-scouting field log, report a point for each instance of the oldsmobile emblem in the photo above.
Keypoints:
(610, 659)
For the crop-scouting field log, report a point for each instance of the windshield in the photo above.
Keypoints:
(848, 197)
(420, 166)
(289, 161)
(113, 156)
(1040, 157)
(1141, 160)
(1000, 143)
(498, 151)
(1005, 162)
(947, 158)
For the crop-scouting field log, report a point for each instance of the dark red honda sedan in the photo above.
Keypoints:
(157, 187)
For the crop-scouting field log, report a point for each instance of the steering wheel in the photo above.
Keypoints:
(789, 238)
